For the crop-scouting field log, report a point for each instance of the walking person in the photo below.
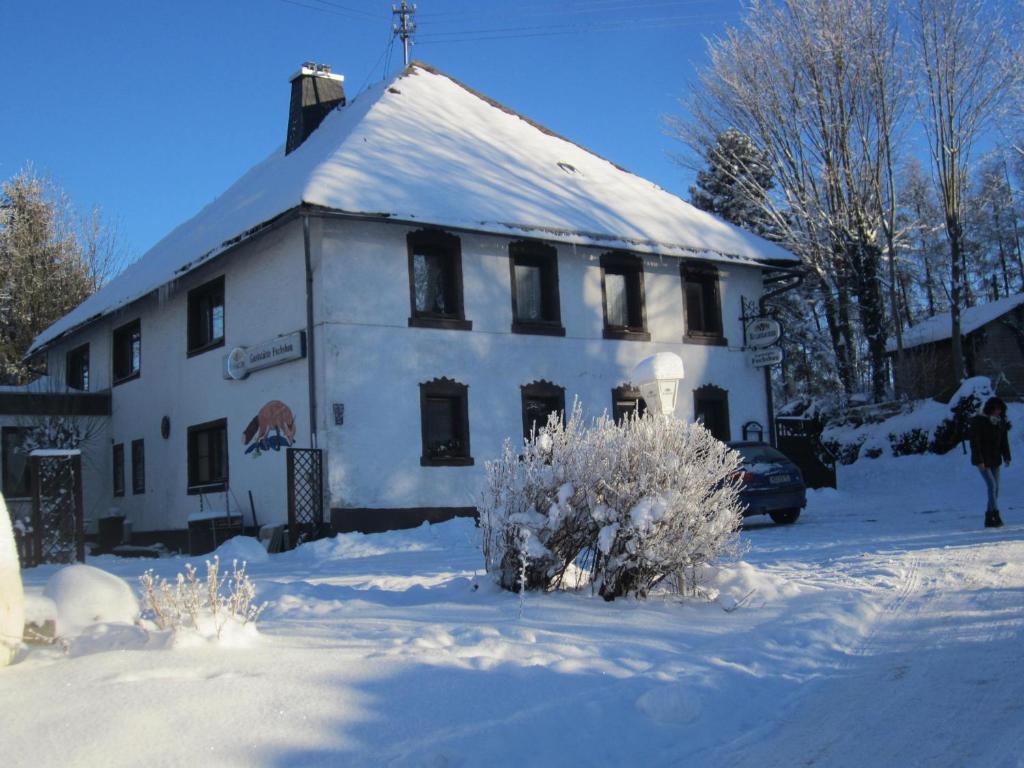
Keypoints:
(990, 449)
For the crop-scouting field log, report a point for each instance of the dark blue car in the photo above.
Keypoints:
(772, 484)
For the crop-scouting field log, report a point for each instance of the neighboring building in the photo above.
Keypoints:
(423, 275)
(993, 346)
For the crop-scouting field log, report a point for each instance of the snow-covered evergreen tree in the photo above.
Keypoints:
(735, 183)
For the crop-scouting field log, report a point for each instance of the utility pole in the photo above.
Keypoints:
(406, 28)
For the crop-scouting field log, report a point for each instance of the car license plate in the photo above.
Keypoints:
(778, 479)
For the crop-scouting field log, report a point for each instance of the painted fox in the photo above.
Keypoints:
(274, 415)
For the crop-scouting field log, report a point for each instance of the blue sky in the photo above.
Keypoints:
(152, 109)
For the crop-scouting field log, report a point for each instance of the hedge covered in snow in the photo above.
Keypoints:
(631, 505)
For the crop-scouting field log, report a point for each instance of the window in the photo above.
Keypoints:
(138, 467)
(127, 352)
(626, 401)
(206, 317)
(711, 408)
(444, 412)
(435, 281)
(119, 469)
(16, 468)
(702, 304)
(77, 368)
(208, 457)
(535, 304)
(540, 400)
(622, 286)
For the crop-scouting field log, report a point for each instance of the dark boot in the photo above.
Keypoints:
(997, 521)
(990, 519)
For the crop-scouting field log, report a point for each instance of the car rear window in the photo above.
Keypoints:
(760, 454)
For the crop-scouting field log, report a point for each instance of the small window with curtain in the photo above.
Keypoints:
(119, 469)
(702, 304)
(17, 472)
(77, 368)
(206, 317)
(622, 286)
(535, 301)
(541, 399)
(208, 457)
(444, 412)
(127, 350)
(435, 281)
(138, 467)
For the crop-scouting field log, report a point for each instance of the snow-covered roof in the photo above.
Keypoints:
(424, 148)
(938, 327)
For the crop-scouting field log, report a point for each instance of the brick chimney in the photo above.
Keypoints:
(315, 92)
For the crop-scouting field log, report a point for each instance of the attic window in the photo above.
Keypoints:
(571, 169)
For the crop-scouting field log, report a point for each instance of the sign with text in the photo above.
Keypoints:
(763, 358)
(241, 361)
(763, 332)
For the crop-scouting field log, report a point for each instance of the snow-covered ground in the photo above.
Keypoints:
(886, 627)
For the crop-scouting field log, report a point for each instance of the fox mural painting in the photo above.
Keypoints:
(274, 417)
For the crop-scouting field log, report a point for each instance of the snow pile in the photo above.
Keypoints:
(84, 596)
(244, 549)
(350, 546)
(12, 604)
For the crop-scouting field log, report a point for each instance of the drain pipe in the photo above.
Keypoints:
(788, 279)
(310, 346)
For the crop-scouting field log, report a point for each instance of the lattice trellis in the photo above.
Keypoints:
(305, 493)
(58, 530)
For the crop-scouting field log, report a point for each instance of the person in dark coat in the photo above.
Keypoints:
(990, 449)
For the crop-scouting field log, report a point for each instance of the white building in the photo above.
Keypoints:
(422, 272)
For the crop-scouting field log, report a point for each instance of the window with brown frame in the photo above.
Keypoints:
(206, 317)
(626, 401)
(127, 349)
(444, 413)
(540, 400)
(138, 467)
(16, 468)
(208, 457)
(77, 368)
(535, 302)
(622, 290)
(702, 304)
(119, 469)
(435, 281)
(711, 408)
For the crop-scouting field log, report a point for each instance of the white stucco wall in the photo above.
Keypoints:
(373, 363)
(264, 297)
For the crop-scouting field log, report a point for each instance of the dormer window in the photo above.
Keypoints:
(435, 281)
(622, 285)
(535, 302)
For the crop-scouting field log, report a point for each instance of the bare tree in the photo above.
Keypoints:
(968, 73)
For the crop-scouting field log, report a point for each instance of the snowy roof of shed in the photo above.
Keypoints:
(938, 327)
(423, 148)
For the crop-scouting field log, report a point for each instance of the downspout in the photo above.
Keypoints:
(795, 278)
(310, 345)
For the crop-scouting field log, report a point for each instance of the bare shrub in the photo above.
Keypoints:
(205, 605)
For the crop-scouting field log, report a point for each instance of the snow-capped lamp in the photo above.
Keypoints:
(658, 378)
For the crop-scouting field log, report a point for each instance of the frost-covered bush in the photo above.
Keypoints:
(632, 504)
(208, 606)
(12, 597)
